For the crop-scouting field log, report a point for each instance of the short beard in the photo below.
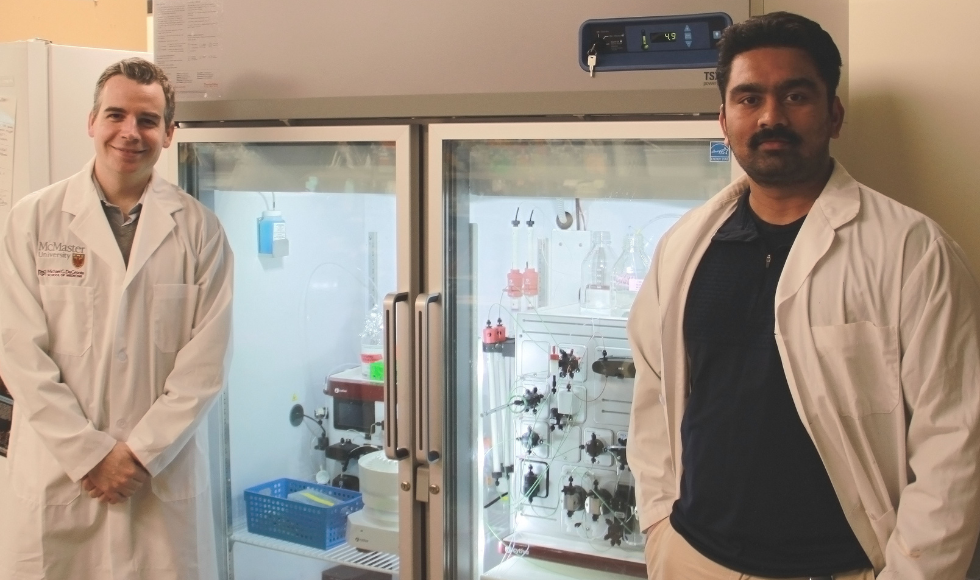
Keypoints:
(785, 167)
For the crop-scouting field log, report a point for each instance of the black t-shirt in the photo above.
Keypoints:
(755, 496)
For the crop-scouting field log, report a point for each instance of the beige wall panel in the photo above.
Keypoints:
(100, 24)
(912, 126)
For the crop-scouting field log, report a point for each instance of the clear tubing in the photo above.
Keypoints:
(494, 403)
(502, 394)
(515, 249)
(507, 419)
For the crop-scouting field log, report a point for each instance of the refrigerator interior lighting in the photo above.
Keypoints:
(306, 341)
(550, 483)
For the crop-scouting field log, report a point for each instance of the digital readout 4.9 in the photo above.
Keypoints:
(663, 36)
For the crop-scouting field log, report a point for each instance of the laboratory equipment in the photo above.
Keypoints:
(301, 325)
(376, 526)
(628, 273)
(372, 350)
(515, 277)
(531, 275)
(272, 234)
(296, 416)
(372, 335)
(597, 277)
(571, 498)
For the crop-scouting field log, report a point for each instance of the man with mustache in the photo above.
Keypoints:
(807, 394)
(115, 314)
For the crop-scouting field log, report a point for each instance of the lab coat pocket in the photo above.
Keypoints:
(173, 315)
(35, 475)
(859, 365)
(69, 312)
(185, 477)
(883, 526)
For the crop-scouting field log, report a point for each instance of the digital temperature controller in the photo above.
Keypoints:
(656, 42)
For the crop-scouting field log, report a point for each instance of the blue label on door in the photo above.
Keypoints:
(719, 152)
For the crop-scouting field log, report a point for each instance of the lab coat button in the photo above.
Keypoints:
(121, 357)
(121, 423)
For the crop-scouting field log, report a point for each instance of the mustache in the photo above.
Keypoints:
(775, 133)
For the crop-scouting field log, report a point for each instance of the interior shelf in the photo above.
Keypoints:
(523, 567)
(342, 554)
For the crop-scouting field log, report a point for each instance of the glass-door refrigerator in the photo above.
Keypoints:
(323, 225)
(537, 238)
(429, 375)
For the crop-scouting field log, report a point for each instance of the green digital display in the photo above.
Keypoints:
(663, 36)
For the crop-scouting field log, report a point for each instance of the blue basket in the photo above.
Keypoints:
(270, 514)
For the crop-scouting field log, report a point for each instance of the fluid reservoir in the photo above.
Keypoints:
(272, 234)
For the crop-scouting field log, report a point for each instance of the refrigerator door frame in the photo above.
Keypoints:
(406, 139)
(445, 557)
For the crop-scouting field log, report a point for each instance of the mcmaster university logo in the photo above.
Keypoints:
(77, 260)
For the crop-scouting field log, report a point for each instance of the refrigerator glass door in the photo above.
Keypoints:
(538, 237)
(320, 222)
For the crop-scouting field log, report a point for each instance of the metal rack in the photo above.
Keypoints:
(342, 554)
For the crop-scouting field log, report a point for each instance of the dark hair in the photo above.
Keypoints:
(781, 30)
(145, 73)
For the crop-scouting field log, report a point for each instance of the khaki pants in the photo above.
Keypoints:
(670, 557)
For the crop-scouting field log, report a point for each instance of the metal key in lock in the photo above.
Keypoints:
(592, 58)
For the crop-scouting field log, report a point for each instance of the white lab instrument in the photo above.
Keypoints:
(376, 526)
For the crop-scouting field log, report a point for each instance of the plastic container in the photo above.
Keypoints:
(272, 234)
(372, 349)
(269, 513)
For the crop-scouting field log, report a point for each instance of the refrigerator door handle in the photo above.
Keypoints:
(392, 451)
(424, 450)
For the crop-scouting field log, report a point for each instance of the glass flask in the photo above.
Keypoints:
(595, 295)
(628, 273)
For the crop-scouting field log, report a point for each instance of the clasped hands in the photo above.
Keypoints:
(117, 477)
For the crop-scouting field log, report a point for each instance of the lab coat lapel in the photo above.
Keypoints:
(674, 285)
(156, 223)
(90, 224)
(838, 203)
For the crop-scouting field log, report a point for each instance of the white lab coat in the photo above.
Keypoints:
(878, 330)
(96, 352)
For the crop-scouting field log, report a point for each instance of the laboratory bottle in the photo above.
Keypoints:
(595, 292)
(530, 273)
(628, 273)
(372, 341)
(515, 278)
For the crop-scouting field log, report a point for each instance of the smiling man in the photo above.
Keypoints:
(115, 314)
(807, 400)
